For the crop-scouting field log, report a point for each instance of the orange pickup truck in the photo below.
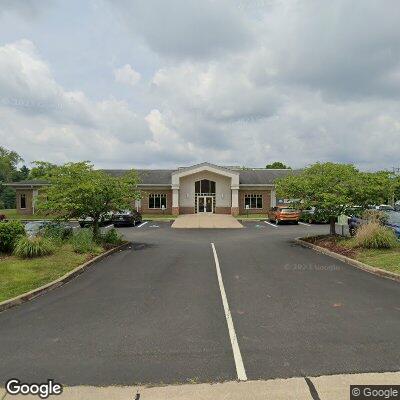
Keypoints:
(283, 214)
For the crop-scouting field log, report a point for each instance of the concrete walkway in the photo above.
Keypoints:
(206, 221)
(333, 387)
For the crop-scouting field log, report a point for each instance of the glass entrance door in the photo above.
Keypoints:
(205, 204)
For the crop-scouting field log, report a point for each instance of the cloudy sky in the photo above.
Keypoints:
(155, 83)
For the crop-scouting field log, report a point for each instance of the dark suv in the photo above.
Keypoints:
(126, 218)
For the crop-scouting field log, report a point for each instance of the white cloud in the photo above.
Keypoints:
(231, 84)
(127, 75)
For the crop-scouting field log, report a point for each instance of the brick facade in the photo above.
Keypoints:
(144, 208)
(266, 201)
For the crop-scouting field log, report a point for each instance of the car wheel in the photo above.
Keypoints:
(296, 222)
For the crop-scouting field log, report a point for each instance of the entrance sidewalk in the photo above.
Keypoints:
(206, 221)
(334, 387)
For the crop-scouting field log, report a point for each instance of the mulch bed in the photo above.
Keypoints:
(332, 243)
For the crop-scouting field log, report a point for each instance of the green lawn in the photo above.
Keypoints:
(18, 276)
(12, 214)
(387, 259)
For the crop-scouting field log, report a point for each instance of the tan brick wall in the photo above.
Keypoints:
(266, 201)
(186, 210)
(29, 196)
(222, 210)
(145, 202)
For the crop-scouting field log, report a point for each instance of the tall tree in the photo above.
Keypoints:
(76, 190)
(41, 170)
(334, 188)
(277, 165)
(9, 161)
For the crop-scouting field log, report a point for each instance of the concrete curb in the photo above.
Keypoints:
(358, 264)
(5, 305)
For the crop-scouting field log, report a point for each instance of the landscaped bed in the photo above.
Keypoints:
(19, 275)
(387, 259)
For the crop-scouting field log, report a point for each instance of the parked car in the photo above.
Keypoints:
(284, 214)
(392, 221)
(35, 227)
(314, 216)
(384, 207)
(126, 218)
(88, 221)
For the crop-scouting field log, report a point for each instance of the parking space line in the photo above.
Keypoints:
(240, 371)
(269, 223)
(143, 223)
(303, 223)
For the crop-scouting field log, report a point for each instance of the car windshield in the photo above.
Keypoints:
(33, 225)
(393, 217)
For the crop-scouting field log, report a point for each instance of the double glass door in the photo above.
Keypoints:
(205, 204)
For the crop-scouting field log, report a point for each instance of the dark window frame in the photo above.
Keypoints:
(208, 186)
(254, 201)
(22, 201)
(157, 200)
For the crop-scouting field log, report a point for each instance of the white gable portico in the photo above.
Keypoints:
(205, 188)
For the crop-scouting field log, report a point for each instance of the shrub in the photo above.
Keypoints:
(9, 233)
(29, 247)
(83, 241)
(57, 233)
(375, 236)
(112, 237)
(375, 216)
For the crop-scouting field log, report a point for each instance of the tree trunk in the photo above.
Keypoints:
(95, 229)
(332, 225)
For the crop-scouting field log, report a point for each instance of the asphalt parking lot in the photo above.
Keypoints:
(157, 313)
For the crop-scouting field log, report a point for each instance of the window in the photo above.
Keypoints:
(204, 186)
(22, 201)
(253, 200)
(157, 200)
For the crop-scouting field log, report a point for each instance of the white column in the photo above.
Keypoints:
(273, 198)
(235, 198)
(34, 196)
(175, 197)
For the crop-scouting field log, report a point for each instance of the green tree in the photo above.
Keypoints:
(334, 188)
(9, 161)
(76, 190)
(277, 165)
(41, 170)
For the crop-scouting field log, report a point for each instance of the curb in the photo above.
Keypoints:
(350, 261)
(22, 298)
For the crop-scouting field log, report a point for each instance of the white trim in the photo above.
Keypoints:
(240, 371)
(205, 202)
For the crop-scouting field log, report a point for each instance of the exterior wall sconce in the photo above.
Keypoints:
(222, 195)
(187, 195)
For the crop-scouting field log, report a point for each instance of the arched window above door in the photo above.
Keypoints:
(204, 186)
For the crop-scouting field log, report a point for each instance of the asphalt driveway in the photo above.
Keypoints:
(154, 313)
